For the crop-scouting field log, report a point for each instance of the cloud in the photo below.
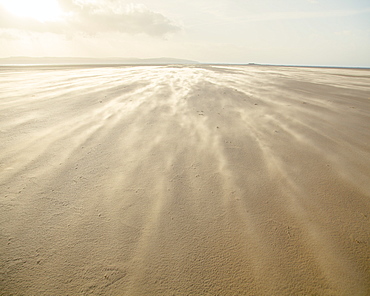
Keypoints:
(93, 17)
(9, 21)
(131, 19)
(292, 15)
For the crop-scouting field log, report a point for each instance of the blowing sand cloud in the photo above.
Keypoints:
(182, 180)
(95, 16)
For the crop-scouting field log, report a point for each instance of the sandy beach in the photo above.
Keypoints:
(184, 180)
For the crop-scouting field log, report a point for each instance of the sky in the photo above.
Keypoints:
(282, 32)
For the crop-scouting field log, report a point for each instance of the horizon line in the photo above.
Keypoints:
(151, 61)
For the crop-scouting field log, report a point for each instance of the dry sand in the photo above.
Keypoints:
(193, 180)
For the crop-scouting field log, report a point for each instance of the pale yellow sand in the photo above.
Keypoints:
(196, 180)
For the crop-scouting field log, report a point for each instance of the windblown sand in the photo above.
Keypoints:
(184, 180)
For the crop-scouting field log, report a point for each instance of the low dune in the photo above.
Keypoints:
(184, 180)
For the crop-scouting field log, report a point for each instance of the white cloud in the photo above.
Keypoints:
(95, 16)
(294, 15)
(9, 21)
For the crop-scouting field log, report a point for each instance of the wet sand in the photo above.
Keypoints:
(184, 180)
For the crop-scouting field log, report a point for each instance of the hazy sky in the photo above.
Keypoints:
(305, 32)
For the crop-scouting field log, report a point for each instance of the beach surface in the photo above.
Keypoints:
(184, 180)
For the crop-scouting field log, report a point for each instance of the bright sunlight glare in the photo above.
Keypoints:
(41, 10)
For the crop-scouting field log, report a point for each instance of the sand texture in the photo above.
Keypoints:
(184, 180)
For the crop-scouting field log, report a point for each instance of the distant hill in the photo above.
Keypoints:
(90, 61)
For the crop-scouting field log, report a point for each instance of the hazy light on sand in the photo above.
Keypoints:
(41, 10)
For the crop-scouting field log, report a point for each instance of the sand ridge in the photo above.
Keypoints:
(184, 180)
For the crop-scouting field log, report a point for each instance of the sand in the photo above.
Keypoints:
(184, 180)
